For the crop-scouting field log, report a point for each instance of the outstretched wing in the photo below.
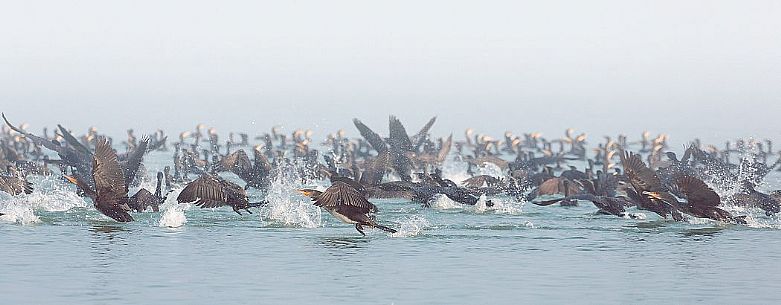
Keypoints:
(445, 149)
(209, 191)
(640, 176)
(372, 174)
(108, 174)
(134, 159)
(15, 186)
(372, 137)
(237, 162)
(342, 194)
(110, 189)
(418, 139)
(398, 138)
(696, 191)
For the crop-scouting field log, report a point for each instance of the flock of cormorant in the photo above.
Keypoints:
(617, 173)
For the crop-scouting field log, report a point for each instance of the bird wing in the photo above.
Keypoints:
(550, 187)
(696, 191)
(640, 176)
(340, 194)
(236, 162)
(106, 170)
(36, 139)
(445, 149)
(142, 199)
(72, 141)
(261, 163)
(110, 189)
(15, 186)
(209, 191)
(134, 159)
(480, 180)
(157, 144)
(372, 137)
(397, 137)
(372, 174)
(418, 139)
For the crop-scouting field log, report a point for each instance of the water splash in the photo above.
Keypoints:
(722, 179)
(490, 169)
(50, 195)
(481, 205)
(286, 205)
(507, 206)
(17, 210)
(411, 226)
(442, 202)
(455, 170)
(755, 217)
(172, 215)
(638, 216)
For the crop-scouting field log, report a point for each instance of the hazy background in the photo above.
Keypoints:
(706, 68)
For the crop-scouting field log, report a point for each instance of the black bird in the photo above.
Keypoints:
(211, 191)
(647, 188)
(110, 192)
(702, 201)
(76, 155)
(601, 192)
(255, 175)
(144, 198)
(347, 204)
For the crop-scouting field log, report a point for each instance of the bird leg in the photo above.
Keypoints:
(248, 211)
(360, 229)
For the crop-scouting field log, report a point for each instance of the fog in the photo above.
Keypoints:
(710, 69)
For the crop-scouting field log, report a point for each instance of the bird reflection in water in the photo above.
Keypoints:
(102, 228)
(106, 238)
(344, 242)
(699, 233)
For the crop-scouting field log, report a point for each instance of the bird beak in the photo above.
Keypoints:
(70, 179)
(653, 195)
(305, 192)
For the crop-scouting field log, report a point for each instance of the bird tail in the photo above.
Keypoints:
(384, 228)
(257, 204)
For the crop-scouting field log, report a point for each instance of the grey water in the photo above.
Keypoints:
(55, 248)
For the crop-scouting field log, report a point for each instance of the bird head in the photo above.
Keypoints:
(71, 179)
(310, 193)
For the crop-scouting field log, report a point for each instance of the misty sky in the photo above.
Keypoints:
(705, 68)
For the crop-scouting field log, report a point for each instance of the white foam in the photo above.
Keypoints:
(411, 226)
